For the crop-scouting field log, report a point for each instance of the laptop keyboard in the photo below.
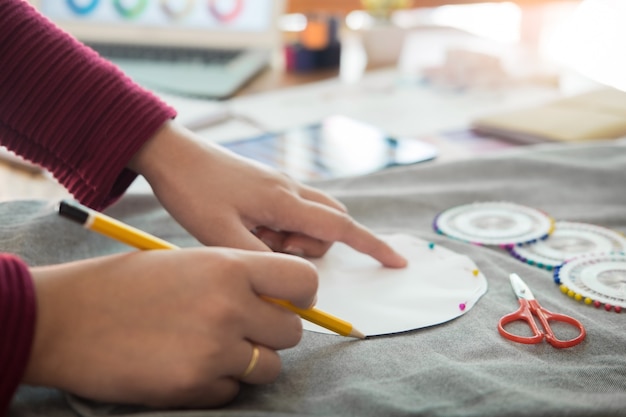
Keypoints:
(165, 54)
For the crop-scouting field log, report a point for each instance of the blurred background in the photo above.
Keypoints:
(426, 80)
(455, 42)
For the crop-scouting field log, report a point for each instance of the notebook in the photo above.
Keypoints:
(207, 49)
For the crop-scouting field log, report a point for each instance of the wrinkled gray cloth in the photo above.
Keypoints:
(460, 368)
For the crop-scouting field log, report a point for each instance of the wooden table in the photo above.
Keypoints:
(18, 184)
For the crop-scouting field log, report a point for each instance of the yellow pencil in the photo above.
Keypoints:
(108, 226)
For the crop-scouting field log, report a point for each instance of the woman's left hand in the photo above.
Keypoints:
(226, 200)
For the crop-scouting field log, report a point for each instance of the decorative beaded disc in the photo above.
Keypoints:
(569, 240)
(595, 279)
(494, 223)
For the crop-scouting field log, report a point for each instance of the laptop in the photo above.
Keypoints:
(208, 49)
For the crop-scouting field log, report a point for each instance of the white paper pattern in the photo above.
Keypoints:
(438, 285)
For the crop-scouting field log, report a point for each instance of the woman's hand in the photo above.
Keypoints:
(166, 328)
(226, 200)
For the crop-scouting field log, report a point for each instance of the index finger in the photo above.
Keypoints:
(331, 225)
(362, 239)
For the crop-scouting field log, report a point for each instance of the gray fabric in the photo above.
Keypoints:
(460, 368)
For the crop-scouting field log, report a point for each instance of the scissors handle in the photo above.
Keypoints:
(522, 314)
(527, 309)
(546, 316)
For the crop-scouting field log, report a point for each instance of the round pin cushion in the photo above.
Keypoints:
(569, 240)
(494, 223)
(597, 279)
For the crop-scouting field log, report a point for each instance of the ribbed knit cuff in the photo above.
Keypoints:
(18, 310)
(64, 107)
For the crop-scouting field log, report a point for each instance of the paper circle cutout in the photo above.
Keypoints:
(438, 285)
(569, 240)
(494, 223)
(595, 279)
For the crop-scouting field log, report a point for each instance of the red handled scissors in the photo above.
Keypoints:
(528, 310)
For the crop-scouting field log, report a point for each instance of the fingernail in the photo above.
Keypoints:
(293, 250)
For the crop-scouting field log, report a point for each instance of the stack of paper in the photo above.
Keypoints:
(599, 114)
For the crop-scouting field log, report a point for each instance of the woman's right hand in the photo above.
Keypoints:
(166, 328)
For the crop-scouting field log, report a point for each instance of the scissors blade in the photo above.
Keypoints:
(520, 288)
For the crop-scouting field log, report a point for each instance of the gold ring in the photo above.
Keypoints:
(253, 361)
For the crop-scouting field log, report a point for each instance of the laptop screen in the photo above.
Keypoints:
(189, 22)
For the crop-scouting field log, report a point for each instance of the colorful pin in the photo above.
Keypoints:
(594, 279)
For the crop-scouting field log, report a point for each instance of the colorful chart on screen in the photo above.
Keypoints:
(83, 7)
(225, 10)
(177, 9)
(130, 9)
(569, 240)
(498, 223)
(595, 279)
(232, 16)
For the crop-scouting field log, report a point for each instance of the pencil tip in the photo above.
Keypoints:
(357, 334)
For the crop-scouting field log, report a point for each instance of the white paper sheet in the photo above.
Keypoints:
(438, 285)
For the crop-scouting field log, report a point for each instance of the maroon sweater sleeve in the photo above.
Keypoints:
(17, 324)
(67, 109)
